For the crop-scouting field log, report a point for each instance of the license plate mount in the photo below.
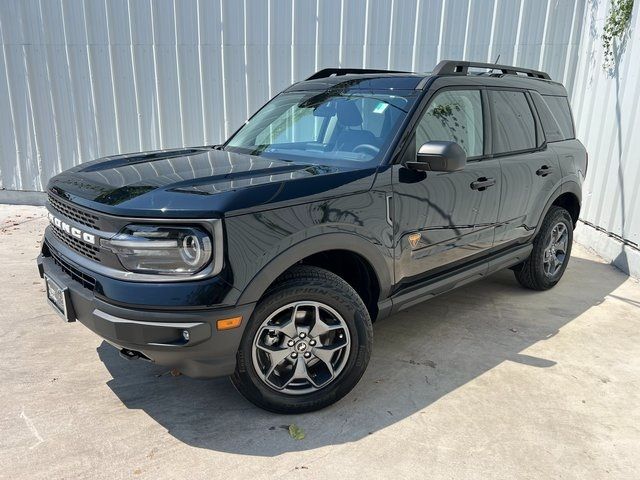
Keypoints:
(59, 299)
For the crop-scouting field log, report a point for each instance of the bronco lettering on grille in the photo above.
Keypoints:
(71, 230)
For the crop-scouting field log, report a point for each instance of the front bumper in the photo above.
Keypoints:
(157, 334)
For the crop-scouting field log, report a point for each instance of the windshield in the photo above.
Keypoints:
(324, 127)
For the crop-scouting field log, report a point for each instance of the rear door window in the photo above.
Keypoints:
(514, 127)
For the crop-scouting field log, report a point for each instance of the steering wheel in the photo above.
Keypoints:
(366, 148)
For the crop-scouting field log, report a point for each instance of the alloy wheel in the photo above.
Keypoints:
(301, 347)
(555, 251)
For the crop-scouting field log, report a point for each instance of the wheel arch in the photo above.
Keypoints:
(568, 196)
(569, 201)
(352, 244)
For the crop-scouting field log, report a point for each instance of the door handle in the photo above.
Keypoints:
(544, 170)
(483, 183)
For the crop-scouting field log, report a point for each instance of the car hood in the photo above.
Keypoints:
(201, 182)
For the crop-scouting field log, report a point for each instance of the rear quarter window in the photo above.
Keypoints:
(559, 109)
(555, 117)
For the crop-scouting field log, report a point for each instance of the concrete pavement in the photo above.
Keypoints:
(490, 381)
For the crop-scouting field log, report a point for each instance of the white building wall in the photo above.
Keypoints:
(83, 79)
(606, 107)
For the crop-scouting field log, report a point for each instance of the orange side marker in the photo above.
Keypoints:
(229, 323)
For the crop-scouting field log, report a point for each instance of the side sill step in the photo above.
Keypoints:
(437, 286)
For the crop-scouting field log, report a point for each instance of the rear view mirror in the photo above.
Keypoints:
(438, 156)
(325, 110)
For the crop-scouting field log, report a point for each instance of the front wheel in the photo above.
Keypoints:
(306, 345)
(551, 252)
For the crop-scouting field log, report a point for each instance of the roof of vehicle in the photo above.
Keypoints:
(458, 72)
(362, 81)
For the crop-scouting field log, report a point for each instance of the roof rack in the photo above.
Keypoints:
(454, 67)
(329, 72)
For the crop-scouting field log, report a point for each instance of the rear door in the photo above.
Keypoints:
(444, 219)
(530, 170)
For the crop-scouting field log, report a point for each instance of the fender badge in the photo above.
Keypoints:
(414, 238)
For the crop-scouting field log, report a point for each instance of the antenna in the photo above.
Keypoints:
(495, 63)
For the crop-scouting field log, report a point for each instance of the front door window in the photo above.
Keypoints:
(454, 116)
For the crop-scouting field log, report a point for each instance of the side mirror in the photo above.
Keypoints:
(439, 156)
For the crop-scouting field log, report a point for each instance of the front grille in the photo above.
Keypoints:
(76, 245)
(77, 215)
(83, 279)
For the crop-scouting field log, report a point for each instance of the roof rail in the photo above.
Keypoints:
(454, 67)
(329, 72)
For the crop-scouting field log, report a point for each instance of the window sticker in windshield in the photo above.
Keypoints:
(381, 107)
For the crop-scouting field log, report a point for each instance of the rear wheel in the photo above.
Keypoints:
(306, 345)
(551, 252)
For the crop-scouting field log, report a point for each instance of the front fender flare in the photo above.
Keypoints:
(328, 241)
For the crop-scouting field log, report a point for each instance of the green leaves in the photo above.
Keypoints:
(615, 28)
(296, 432)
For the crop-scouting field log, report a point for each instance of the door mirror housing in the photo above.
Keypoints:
(439, 156)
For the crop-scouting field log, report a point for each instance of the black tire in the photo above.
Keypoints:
(300, 284)
(531, 273)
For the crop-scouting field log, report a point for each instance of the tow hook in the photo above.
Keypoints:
(133, 355)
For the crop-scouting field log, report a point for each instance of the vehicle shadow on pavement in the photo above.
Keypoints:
(420, 355)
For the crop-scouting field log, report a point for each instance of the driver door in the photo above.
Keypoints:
(444, 219)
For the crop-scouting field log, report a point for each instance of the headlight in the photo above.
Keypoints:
(159, 249)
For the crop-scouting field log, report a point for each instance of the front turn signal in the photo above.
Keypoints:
(229, 323)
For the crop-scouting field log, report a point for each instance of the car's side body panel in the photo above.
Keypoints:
(441, 220)
(524, 193)
(268, 243)
(573, 160)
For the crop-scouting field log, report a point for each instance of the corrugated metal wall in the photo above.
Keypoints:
(80, 79)
(83, 79)
(606, 106)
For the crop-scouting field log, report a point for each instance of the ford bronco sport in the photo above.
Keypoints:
(346, 198)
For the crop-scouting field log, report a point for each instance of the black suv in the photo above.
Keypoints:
(348, 197)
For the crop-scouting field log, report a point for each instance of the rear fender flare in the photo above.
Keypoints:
(566, 187)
